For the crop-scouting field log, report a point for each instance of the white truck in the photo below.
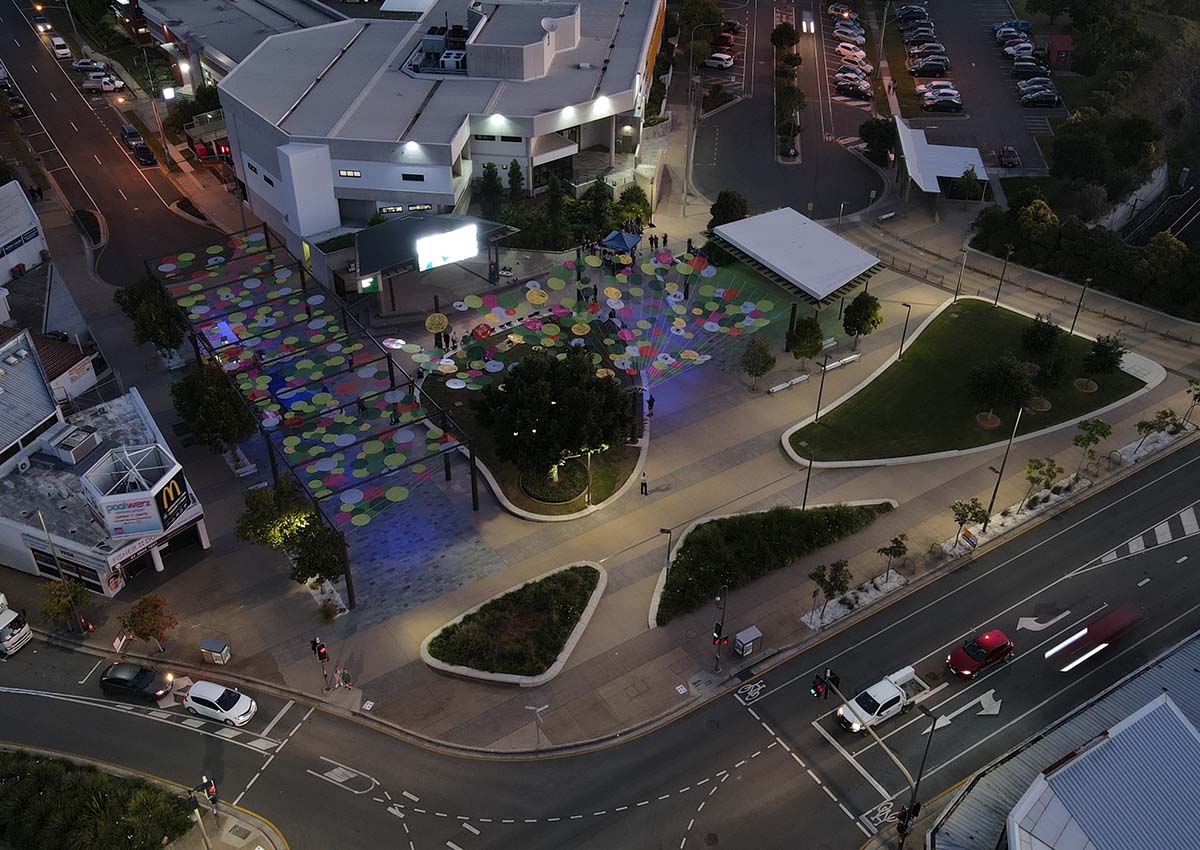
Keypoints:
(14, 631)
(892, 695)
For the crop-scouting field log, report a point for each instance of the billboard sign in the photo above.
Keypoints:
(130, 516)
(172, 499)
(450, 247)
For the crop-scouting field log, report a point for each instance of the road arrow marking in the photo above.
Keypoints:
(1033, 624)
(987, 701)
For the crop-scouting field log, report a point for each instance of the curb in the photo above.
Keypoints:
(1158, 375)
(273, 834)
(554, 669)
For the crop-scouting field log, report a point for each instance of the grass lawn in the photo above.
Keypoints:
(920, 404)
(610, 469)
(906, 85)
(523, 631)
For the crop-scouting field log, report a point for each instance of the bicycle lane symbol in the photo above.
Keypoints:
(751, 691)
(880, 816)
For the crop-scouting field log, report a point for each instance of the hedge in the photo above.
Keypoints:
(523, 631)
(733, 551)
(51, 804)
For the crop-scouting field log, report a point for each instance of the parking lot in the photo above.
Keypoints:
(734, 80)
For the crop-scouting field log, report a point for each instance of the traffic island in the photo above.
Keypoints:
(523, 636)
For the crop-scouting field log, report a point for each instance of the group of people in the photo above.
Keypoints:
(656, 241)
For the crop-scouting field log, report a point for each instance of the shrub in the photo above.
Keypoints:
(1033, 501)
(735, 550)
(523, 631)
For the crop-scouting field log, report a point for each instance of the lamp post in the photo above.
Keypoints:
(537, 721)
(1007, 254)
(667, 532)
(691, 71)
(882, 33)
(841, 209)
(903, 826)
(808, 476)
(1000, 471)
(961, 269)
(154, 105)
(1078, 306)
(821, 388)
(904, 332)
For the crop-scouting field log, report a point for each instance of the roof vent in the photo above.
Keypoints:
(22, 353)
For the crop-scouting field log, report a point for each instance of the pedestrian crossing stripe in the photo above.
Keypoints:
(1176, 527)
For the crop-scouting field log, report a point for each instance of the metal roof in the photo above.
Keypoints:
(24, 390)
(927, 162)
(976, 818)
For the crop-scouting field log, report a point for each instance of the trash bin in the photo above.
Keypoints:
(747, 641)
(215, 650)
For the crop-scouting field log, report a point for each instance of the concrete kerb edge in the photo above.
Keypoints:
(510, 678)
(273, 833)
(652, 619)
(1157, 375)
(736, 100)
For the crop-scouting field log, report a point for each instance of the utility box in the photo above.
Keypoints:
(215, 650)
(747, 641)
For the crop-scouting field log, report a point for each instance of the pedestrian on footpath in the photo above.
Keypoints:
(645, 484)
(650, 405)
(664, 241)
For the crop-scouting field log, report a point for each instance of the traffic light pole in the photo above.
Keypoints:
(903, 826)
(194, 805)
(899, 764)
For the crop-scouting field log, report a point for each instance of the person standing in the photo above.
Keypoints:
(664, 241)
(650, 405)
(645, 484)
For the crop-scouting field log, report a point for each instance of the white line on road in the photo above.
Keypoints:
(35, 70)
(90, 672)
(52, 97)
(411, 796)
(17, 43)
(470, 829)
(452, 845)
(832, 796)
(98, 162)
(266, 732)
(73, 127)
(1144, 581)
(122, 194)
(862, 770)
(1181, 560)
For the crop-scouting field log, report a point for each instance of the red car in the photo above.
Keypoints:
(1093, 639)
(722, 39)
(970, 658)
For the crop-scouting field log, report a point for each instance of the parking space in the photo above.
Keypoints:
(733, 42)
(846, 88)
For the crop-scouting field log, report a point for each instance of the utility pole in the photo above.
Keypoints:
(821, 388)
(154, 105)
(909, 813)
(1000, 472)
(1086, 283)
(831, 681)
(1003, 269)
(62, 576)
(719, 638)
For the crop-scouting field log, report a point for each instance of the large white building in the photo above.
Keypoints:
(333, 123)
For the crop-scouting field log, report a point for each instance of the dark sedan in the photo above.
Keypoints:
(1045, 98)
(144, 155)
(133, 680)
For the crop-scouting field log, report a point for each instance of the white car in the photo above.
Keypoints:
(849, 26)
(846, 51)
(217, 702)
(719, 60)
(940, 94)
(59, 48)
(850, 38)
(934, 85)
(1024, 49)
(859, 62)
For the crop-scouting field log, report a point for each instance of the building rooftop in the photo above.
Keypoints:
(57, 356)
(344, 80)
(24, 392)
(16, 214)
(927, 162)
(233, 28)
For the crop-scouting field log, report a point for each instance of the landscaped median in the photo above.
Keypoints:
(523, 636)
(733, 551)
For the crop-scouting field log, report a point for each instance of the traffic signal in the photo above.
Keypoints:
(322, 652)
(210, 789)
(718, 628)
(817, 689)
(908, 814)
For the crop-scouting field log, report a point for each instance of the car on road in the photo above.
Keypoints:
(131, 136)
(144, 155)
(1044, 98)
(943, 104)
(1036, 84)
(1019, 24)
(41, 24)
(87, 65)
(1008, 157)
(860, 89)
(1093, 639)
(927, 49)
(850, 37)
(846, 50)
(133, 680)
(980, 652)
(890, 696)
(934, 85)
(59, 48)
(217, 702)
(721, 60)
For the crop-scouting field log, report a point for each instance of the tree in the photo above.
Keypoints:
(1042, 337)
(757, 359)
(794, 60)
(183, 111)
(1003, 383)
(863, 316)
(1092, 432)
(879, 134)
(516, 181)
(1041, 473)
(155, 316)
(698, 13)
(832, 581)
(548, 409)
(1160, 260)
(490, 192)
(597, 197)
(63, 599)
(317, 552)
(216, 412)
(966, 512)
(634, 203)
(898, 548)
(149, 619)
(554, 211)
(273, 514)
(1038, 225)
(1162, 420)
(784, 36)
(1193, 393)
(1106, 355)
(806, 340)
(729, 206)
(970, 187)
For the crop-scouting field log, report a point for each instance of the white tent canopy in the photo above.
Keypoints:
(797, 249)
(927, 162)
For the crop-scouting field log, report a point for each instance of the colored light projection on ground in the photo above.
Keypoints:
(651, 319)
(323, 390)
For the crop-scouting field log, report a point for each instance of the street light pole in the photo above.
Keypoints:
(903, 826)
(904, 332)
(667, 532)
(807, 477)
(1000, 474)
(882, 34)
(1002, 271)
(821, 388)
(154, 105)
(688, 152)
(961, 269)
(841, 209)
(537, 721)
(1082, 292)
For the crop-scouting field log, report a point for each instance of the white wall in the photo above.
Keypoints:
(78, 379)
(307, 191)
(30, 254)
(388, 176)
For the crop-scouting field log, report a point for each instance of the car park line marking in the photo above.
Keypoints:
(90, 672)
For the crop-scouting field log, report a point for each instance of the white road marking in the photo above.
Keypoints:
(825, 788)
(799, 761)
(266, 732)
(73, 127)
(90, 672)
(1143, 582)
(813, 776)
(98, 162)
(470, 829)
(411, 796)
(685, 788)
(1181, 560)
(862, 770)
(770, 731)
(739, 764)
(194, 723)
(452, 845)
(52, 97)
(228, 732)
(34, 67)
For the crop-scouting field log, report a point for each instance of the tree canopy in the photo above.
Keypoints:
(156, 318)
(729, 206)
(806, 339)
(757, 359)
(1106, 355)
(1004, 383)
(862, 316)
(218, 415)
(784, 36)
(491, 192)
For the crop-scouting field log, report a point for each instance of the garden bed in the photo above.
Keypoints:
(919, 406)
(735, 550)
(523, 636)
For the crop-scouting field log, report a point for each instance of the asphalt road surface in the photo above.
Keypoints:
(744, 770)
(76, 135)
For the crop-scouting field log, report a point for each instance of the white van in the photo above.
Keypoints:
(61, 51)
(14, 631)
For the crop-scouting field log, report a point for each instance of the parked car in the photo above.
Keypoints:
(846, 50)
(144, 155)
(722, 39)
(934, 85)
(980, 652)
(940, 94)
(16, 105)
(40, 23)
(926, 69)
(1007, 34)
(850, 27)
(721, 60)
(103, 83)
(916, 24)
(1013, 42)
(217, 702)
(1016, 24)
(850, 37)
(731, 27)
(847, 15)
(851, 70)
(943, 104)
(931, 49)
(1044, 98)
(919, 38)
(59, 48)
(131, 136)
(1025, 70)
(908, 15)
(859, 62)
(858, 89)
(133, 680)
(930, 61)
(1008, 157)
(1036, 84)
(88, 65)
(1024, 49)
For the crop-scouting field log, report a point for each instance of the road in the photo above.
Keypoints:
(736, 147)
(743, 769)
(76, 138)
